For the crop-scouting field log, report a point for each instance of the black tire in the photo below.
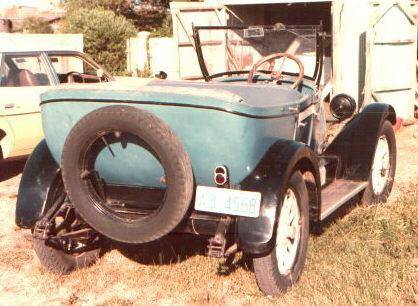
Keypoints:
(53, 258)
(269, 279)
(167, 148)
(369, 195)
(59, 262)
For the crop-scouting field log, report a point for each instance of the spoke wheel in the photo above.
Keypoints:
(381, 165)
(383, 169)
(288, 233)
(281, 268)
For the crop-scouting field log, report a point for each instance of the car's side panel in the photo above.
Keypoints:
(21, 109)
(356, 144)
(256, 235)
(39, 174)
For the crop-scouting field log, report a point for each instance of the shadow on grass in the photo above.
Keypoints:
(230, 265)
(318, 229)
(174, 248)
(11, 168)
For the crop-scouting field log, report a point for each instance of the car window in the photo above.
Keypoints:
(75, 69)
(19, 71)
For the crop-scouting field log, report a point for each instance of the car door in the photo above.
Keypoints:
(6, 133)
(24, 77)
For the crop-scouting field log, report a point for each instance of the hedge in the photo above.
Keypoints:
(105, 35)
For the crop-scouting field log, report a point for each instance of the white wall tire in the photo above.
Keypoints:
(383, 169)
(281, 268)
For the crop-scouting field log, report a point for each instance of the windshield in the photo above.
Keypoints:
(223, 49)
(74, 68)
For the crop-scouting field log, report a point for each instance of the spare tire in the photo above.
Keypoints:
(158, 138)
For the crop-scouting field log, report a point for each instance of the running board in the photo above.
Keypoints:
(337, 194)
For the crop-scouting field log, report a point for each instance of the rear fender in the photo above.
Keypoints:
(257, 235)
(356, 144)
(40, 173)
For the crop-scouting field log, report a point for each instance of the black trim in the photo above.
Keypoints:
(208, 77)
(270, 177)
(20, 114)
(168, 104)
(38, 176)
(356, 144)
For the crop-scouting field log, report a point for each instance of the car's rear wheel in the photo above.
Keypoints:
(383, 170)
(281, 268)
(63, 242)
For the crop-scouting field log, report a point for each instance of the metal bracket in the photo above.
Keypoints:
(217, 244)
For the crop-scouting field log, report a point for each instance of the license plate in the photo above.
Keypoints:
(228, 201)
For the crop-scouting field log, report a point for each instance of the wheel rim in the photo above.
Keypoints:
(97, 188)
(381, 166)
(288, 233)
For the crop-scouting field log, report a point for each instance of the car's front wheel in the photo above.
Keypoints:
(383, 170)
(281, 268)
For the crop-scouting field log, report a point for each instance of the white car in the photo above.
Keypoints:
(23, 77)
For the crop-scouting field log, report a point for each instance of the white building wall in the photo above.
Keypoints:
(11, 42)
(163, 57)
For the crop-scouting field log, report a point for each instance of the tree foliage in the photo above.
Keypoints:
(146, 15)
(118, 6)
(106, 24)
(105, 35)
(37, 25)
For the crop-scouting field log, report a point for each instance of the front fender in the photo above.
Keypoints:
(257, 235)
(356, 144)
(39, 174)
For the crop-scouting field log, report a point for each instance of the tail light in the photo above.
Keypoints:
(220, 176)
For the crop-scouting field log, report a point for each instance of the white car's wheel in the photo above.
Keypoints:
(383, 168)
(282, 266)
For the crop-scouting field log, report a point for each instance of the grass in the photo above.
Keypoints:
(367, 256)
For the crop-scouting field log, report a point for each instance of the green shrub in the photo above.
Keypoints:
(36, 25)
(166, 28)
(117, 6)
(105, 35)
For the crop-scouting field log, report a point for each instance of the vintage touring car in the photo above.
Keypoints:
(242, 158)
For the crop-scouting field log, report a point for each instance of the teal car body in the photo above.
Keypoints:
(229, 124)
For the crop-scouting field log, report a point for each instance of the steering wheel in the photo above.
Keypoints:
(70, 76)
(276, 75)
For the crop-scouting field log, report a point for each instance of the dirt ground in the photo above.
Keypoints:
(367, 257)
